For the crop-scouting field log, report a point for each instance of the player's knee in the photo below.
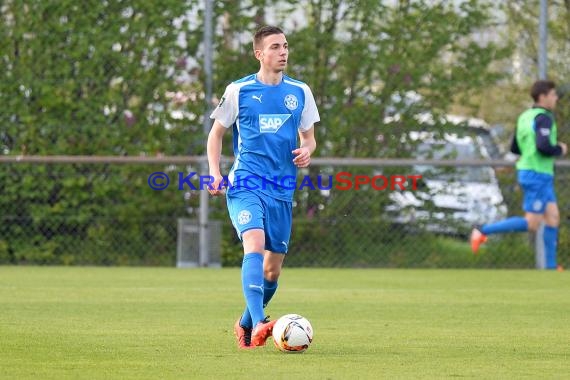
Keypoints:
(533, 224)
(253, 241)
(271, 274)
(552, 215)
(552, 220)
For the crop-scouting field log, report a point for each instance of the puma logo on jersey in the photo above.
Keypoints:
(270, 123)
(257, 97)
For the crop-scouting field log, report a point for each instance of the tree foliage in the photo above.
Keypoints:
(368, 57)
(90, 78)
(523, 24)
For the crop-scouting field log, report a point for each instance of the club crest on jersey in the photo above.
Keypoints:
(291, 102)
(270, 123)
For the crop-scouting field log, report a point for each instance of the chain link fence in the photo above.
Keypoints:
(347, 213)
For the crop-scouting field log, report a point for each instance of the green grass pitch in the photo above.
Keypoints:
(163, 323)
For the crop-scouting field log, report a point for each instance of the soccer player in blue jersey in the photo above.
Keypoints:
(272, 117)
(536, 142)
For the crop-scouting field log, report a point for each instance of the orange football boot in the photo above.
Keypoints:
(477, 238)
(262, 332)
(243, 336)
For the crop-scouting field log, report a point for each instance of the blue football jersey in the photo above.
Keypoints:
(266, 120)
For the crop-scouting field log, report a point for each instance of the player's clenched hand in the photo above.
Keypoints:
(564, 148)
(302, 157)
(214, 187)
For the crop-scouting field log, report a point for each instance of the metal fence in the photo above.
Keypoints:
(347, 213)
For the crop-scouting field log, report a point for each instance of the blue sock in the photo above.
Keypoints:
(252, 284)
(550, 245)
(269, 289)
(513, 224)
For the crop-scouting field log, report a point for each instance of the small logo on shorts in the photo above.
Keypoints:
(537, 205)
(244, 217)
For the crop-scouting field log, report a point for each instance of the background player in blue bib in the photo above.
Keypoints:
(269, 113)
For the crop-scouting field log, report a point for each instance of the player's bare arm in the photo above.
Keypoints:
(214, 149)
(307, 147)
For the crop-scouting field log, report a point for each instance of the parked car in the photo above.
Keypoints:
(449, 199)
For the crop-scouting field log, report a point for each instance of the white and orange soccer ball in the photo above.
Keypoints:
(292, 333)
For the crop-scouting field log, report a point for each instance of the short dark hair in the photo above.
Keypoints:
(541, 87)
(263, 32)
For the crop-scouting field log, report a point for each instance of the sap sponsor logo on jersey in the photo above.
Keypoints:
(270, 123)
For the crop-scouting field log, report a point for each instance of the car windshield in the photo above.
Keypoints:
(451, 151)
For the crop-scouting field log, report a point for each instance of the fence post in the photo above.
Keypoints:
(542, 40)
(204, 257)
(539, 251)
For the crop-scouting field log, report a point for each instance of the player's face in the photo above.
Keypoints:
(274, 52)
(550, 99)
